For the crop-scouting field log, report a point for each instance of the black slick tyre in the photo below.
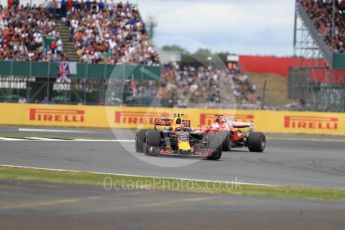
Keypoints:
(140, 138)
(215, 143)
(256, 142)
(153, 139)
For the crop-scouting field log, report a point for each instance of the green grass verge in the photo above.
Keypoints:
(276, 88)
(133, 182)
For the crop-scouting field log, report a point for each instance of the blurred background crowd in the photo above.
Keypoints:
(320, 11)
(115, 33)
(110, 33)
(25, 30)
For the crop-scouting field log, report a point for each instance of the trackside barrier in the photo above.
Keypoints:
(134, 117)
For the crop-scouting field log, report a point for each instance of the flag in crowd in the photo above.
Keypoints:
(63, 72)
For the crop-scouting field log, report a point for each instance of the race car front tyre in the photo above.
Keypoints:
(153, 139)
(226, 140)
(140, 138)
(256, 142)
(215, 143)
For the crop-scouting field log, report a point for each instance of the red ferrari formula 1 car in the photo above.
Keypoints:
(231, 135)
(178, 139)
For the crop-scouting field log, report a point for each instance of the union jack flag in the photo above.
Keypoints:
(63, 72)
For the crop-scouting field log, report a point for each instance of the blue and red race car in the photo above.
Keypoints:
(178, 139)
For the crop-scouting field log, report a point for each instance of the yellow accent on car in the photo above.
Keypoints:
(184, 146)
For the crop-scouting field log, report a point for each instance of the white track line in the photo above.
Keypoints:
(42, 139)
(53, 130)
(11, 139)
(236, 182)
(90, 140)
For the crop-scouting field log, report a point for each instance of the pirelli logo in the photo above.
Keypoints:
(310, 122)
(57, 115)
(208, 118)
(143, 118)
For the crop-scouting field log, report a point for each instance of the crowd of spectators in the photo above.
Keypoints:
(110, 33)
(188, 86)
(23, 30)
(115, 33)
(206, 86)
(101, 32)
(320, 11)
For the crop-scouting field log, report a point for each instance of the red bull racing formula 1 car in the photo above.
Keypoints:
(231, 135)
(178, 139)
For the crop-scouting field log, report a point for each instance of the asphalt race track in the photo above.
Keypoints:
(38, 205)
(288, 160)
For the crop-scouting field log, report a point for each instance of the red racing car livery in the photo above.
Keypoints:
(232, 135)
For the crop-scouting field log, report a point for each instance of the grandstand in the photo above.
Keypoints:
(100, 33)
(100, 46)
(319, 78)
(37, 38)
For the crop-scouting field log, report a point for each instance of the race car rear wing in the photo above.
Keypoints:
(168, 122)
(240, 124)
(162, 122)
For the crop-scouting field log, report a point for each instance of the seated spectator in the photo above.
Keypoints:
(45, 100)
(22, 100)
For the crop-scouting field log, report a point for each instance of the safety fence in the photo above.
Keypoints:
(138, 117)
(87, 83)
(79, 70)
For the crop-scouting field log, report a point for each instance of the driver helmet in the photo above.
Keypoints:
(221, 121)
(178, 124)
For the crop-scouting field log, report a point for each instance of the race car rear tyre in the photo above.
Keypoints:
(256, 142)
(226, 140)
(215, 143)
(140, 138)
(153, 139)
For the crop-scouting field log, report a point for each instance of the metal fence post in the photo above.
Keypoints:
(85, 81)
(11, 68)
(49, 72)
(103, 85)
(30, 75)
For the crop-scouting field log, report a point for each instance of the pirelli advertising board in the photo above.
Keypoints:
(133, 117)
